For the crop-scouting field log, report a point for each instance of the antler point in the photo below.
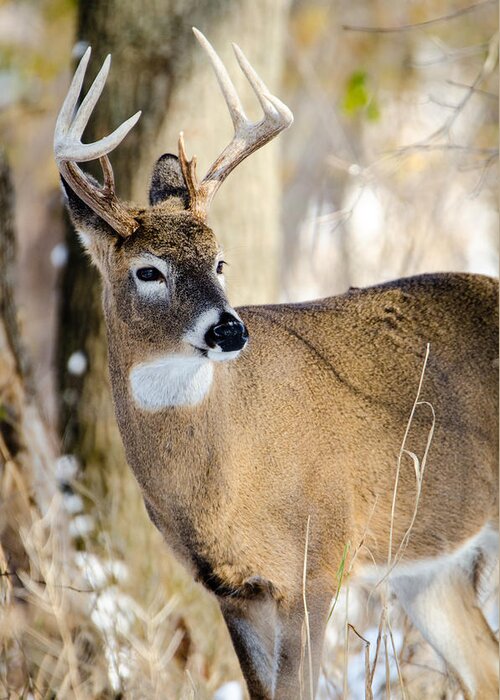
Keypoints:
(199, 35)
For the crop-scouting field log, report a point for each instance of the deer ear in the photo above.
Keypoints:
(83, 217)
(94, 233)
(167, 181)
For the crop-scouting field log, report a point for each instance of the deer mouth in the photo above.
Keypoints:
(218, 355)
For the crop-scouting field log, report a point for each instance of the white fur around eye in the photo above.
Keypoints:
(155, 289)
(222, 280)
(220, 277)
(151, 290)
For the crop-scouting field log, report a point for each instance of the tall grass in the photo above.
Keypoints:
(410, 668)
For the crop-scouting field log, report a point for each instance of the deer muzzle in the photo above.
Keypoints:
(229, 334)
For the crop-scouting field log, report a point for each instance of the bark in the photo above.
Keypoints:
(28, 450)
(23, 431)
(159, 67)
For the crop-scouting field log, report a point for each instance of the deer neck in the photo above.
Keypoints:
(181, 458)
(173, 414)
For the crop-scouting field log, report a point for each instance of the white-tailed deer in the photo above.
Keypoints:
(247, 428)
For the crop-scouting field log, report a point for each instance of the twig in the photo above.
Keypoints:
(426, 667)
(403, 451)
(444, 147)
(448, 54)
(484, 174)
(368, 687)
(306, 613)
(418, 25)
(486, 69)
(396, 659)
(387, 667)
(479, 91)
(378, 643)
(54, 585)
(345, 693)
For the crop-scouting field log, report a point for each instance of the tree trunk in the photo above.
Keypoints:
(23, 433)
(159, 67)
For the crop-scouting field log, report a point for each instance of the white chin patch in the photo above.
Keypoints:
(219, 356)
(175, 380)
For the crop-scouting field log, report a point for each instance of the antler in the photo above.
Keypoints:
(69, 150)
(248, 136)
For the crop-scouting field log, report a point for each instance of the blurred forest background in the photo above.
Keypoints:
(390, 169)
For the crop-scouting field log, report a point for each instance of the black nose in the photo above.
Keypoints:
(229, 334)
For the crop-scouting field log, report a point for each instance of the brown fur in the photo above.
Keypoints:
(306, 424)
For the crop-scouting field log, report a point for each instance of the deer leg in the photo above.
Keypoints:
(442, 604)
(252, 625)
(300, 646)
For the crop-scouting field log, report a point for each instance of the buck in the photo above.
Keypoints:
(268, 439)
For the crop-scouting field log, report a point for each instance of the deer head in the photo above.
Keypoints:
(162, 267)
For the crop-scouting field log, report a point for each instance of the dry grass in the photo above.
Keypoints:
(71, 626)
(410, 667)
(74, 621)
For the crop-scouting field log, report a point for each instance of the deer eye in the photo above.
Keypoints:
(149, 274)
(220, 267)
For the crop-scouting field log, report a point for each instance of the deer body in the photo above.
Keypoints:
(314, 427)
(253, 458)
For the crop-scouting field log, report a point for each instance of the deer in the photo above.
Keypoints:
(266, 440)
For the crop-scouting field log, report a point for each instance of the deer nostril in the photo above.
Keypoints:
(230, 334)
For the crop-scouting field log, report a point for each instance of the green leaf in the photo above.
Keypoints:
(359, 97)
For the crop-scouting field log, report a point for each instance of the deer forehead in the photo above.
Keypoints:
(175, 237)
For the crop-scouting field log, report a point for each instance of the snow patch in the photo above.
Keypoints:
(229, 691)
(77, 363)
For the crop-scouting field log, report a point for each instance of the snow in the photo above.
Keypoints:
(73, 503)
(81, 525)
(77, 363)
(59, 255)
(66, 467)
(229, 691)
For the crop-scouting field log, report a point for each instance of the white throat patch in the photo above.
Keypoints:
(175, 380)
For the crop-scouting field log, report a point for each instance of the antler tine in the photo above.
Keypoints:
(263, 95)
(69, 150)
(226, 84)
(68, 107)
(188, 168)
(109, 176)
(248, 136)
(90, 100)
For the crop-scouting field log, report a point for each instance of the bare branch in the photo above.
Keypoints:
(419, 25)
(483, 93)
(41, 582)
